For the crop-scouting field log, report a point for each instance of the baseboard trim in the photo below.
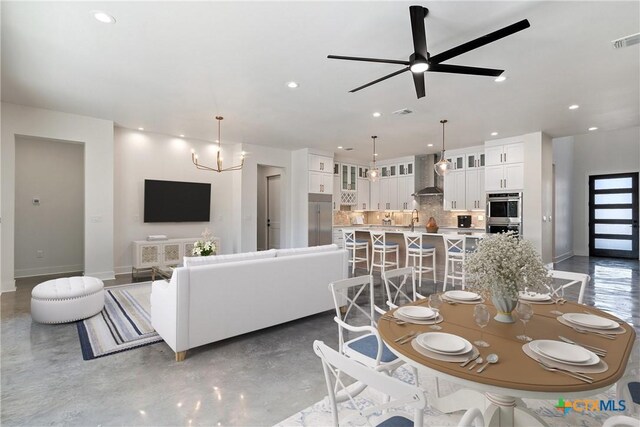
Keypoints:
(102, 275)
(8, 286)
(564, 256)
(45, 271)
(123, 270)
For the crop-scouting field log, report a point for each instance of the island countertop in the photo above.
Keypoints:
(475, 233)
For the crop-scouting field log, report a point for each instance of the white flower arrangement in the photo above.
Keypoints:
(503, 265)
(204, 247)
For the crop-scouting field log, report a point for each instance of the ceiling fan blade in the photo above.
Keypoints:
(418, 82)
(463, 69)
(354, 58)
(480, 41)
(417, 15)
(388, 76)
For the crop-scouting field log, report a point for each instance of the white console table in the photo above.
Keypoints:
(163, 253)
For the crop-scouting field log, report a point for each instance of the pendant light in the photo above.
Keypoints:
(373, 174)
(443, 166)
(218, 168)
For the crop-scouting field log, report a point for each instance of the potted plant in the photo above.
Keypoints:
(206, 246)
(501, 267)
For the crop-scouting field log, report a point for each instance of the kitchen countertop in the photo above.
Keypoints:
(477, 233)
(407, 228)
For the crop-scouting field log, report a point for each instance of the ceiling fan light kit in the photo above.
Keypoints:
(373, 174)
(443, 166)
(421, 60)
(218, 168)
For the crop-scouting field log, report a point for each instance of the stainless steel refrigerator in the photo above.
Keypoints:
(320, 219)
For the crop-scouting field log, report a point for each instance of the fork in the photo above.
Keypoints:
(405, 336)
(601, 334)
(393, 319)
(575, 375)
(410, 337)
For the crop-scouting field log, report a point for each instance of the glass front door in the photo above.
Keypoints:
(613, 215)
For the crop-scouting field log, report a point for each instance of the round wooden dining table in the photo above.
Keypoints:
(501, 386)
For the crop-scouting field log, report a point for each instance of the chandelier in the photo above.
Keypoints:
(443, 166)
(373, 174)
(218, 168)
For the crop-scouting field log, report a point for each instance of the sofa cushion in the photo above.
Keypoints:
(217, 259)
(300, 251)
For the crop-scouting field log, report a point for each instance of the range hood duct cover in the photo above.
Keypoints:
(427, 176)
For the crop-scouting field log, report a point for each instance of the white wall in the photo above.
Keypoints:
(53, 172)
(145, 155)
(247, 210)
(97, 137)
(598, 153)
(261, 230)
(563, 215)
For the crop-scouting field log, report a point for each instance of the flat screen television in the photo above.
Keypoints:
(174, 201)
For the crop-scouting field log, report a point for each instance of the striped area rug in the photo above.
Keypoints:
(123, 324)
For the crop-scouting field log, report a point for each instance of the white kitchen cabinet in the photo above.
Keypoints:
(475, 193)
(475, 160)
(457, 160)
(389, 194)
(504, 154)
(362, 172)
(336, 168)
(388, 171)
(406, 168)
(454, 191)
(504, 177)
(336, 192)
(406, 188)
(320, 163)
(374, 194)
(348, 174)
(363, 198)
(320, 182)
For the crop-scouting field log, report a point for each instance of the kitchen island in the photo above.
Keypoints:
(396, 234)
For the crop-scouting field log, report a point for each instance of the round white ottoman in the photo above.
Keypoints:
(67, 299)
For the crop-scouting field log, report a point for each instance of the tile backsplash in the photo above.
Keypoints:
(429, 206)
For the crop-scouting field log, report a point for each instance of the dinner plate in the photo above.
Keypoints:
(533, 296)
(563, 352)
(419, 313)
(444, 343)
(590, 320)
(462, 295)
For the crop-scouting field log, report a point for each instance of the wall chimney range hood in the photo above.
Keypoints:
(427, 176)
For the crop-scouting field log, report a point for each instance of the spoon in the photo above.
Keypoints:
(492, 358)
(476, 362)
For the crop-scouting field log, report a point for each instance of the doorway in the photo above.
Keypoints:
(273, 211)
(613, 215)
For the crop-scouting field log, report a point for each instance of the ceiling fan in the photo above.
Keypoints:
(421, 60)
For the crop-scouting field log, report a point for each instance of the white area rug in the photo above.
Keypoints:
(319, 414)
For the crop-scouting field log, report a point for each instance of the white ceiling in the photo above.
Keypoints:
(170, 67)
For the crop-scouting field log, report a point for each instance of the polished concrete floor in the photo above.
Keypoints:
(255, 379)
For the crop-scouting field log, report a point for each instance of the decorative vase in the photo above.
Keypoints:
(505, 307)
(432, 225)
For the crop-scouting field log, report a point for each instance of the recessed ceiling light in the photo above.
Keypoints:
(376, 154)
(592, 128)
(500, 79)
(292, 85)
(181, 136)
(103, 17)
(574, 107)
(376, 114)
(339, 147)
(140, 128)
(429, 145)
(494, 133)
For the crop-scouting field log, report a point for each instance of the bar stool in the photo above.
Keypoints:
(380, 246)
(455, 249)
(417, 251)
(354, 245)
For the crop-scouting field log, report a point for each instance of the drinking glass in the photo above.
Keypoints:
(525, 312)
(481, 316)
(435, 302)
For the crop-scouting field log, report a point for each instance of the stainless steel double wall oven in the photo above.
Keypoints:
(504, 212)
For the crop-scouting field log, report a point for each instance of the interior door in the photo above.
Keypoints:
(273, 211)
(613, 215)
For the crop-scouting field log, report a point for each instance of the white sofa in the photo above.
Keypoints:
(218, 297)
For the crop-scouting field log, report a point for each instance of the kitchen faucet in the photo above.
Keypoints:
(414, 219)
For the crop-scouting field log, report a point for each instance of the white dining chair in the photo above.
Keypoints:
(400, 287)
(573, 279)
(400, 394)
(455, 251)
(417, 250)
(354, 245)
(472, 418)
(628, 389)
(367, 348)
(382, 248)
